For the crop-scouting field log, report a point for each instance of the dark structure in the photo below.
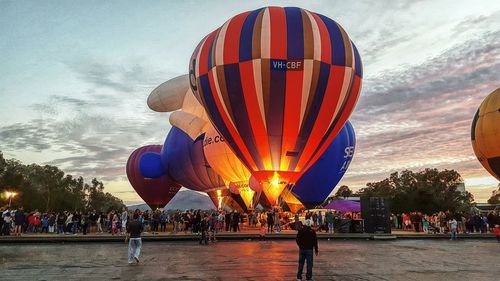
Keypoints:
(376, 214)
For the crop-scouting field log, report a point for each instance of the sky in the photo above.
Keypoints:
(75, 76)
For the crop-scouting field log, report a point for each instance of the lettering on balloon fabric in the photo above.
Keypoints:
(287, 65)
(210, 140)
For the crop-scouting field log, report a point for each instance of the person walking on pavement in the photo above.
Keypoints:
(204, 230)
(134, 230)
(453, 229)
(307, 241)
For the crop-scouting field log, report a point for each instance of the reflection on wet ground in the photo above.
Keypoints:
(252, 260)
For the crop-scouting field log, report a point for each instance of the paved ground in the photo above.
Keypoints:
(251, 260)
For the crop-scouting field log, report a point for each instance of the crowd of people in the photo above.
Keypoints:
(18, 221)
(446, 222)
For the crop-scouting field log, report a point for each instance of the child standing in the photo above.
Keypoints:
(114, 224)
(496, 230)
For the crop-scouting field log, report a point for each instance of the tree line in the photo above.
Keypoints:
(428, 191)
(48, 188)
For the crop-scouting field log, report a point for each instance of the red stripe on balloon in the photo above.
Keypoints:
(293, 102)
(203, 63)
(232, 39)
(278, 33)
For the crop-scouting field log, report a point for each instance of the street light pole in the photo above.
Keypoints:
(10, 195)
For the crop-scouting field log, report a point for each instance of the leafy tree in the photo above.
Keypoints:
(48, 188)
(495, 196)
(343, 191)
(428, 191)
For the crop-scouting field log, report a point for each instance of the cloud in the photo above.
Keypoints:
(419, 117)
(92, 136)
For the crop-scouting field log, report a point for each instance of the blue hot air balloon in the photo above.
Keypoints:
(318, 182)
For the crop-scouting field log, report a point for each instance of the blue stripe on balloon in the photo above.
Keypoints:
(294, 33)
(336, 41)
(209, 61)
(312, 114)
(216, 117)
(275, 114)
(240, 113)
(358, 63)
(246, 36)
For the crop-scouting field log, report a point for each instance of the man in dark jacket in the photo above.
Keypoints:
(227, 221)
(19, 220)
(236, 221)
(306, 240)
(204, 224)
(134, 229)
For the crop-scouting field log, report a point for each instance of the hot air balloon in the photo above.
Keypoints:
(278, 84)
(229, 167)
(485, 133)
(155, 192)
(183, 159)
(318, 182)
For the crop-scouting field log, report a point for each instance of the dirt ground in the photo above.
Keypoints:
(254, 260)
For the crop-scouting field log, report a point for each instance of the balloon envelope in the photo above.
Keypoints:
(155, 192)
(485, 133)
(185, 162)
(278, 84)
(229, 167)
(169, 96)
(318, 182)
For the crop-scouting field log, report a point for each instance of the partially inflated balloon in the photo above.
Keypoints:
(192, 118)
(169, 96)
(186, 164)
(485, 133)
(278, 84)
(155, 192)
(320, 180)
(228, 166)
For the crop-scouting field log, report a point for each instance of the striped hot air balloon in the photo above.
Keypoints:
(278, 84)
(485, 133)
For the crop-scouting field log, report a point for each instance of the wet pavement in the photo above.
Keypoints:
(254, 260)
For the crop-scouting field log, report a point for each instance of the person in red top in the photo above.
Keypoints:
(496, 230)
(31, 222)
(36, 223)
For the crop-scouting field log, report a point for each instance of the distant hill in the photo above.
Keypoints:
(183, 200)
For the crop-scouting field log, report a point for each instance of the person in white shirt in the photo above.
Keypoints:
(124, 218)
(453, 228)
